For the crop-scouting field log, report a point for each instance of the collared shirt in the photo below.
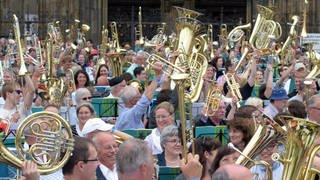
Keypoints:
(270, 110)
(153, 141)
(259, 171)
(130, 118)
(109, 174)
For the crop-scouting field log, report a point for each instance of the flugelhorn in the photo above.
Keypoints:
(22, 70)
(53, 146)
(213, 99)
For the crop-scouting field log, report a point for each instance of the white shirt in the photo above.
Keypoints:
(7, 114)
(153, 141)
(79, 131)
(107, 173)
(270, 110)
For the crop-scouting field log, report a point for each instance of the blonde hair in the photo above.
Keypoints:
(254, 101)
(166, 106)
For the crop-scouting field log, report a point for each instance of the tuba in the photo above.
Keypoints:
(237, 34)
(53, 146)
(116, 59)
(263, 28)
(300, 148)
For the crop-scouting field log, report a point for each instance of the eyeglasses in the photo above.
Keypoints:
(162, 117)
(175, 141)
(86, 98)
(90, 160)
(18, 91)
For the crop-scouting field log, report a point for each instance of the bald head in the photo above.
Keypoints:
(102, 81)
(232, 172)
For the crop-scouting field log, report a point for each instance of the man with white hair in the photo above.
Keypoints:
(137, 104)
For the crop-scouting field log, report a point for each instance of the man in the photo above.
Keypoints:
(305, 91)
(134, 161)
(107, 149)
(140, 73)
(140, 60)
(136, 104)
(278, 102)
(214, 118)
(12, 109)
(83, 163)
(117, 84)
(313, 108)
(232, 172)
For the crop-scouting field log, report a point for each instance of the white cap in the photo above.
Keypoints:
(215, 43)
(299, 65)
(94, 124)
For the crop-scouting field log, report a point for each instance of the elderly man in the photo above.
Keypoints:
(83, 163)
(107, 149)
(278, 102)
(232, 171)
(214, 118)
(140, 60)
(313, 108)
(136, 104)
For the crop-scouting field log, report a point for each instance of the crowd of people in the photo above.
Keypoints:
(269, 88)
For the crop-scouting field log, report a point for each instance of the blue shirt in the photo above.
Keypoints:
(130, 118)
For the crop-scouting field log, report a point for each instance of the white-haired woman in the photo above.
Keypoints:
(171, 144)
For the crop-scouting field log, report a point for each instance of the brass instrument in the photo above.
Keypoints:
(139, 34)
(210, 40)
(137, 85)
(299, 149)
(116, 53)
(53, 147)
(233, 87)
(213, 100)
(22, 70)
(304, 27)
(254, 162)
(243, 57)
(159, 39)
(263, 28)
(237, 33)
(223, 36)
(288, 44)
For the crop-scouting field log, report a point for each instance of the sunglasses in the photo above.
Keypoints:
(86, 98)
(18, 91)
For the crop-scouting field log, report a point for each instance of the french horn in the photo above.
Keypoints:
(53, 143)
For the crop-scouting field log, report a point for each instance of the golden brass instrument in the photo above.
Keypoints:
(263, 28)
(288, 44)
(237, 33)
(210, 40)
(139, 35)
(22, 70)
(213, 100)
(233, 87)
(304, 27)
(223, 36)
(116, 53)
(299, 149)
(243, 57)
(159, 39)
(53, 146)
(137, 85)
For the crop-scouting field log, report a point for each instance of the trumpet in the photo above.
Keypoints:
(233, 87)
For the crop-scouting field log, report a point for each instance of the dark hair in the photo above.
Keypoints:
(138, 70)
(82, 72)
(245, 111)
(98, 72)
(228, 64)
(164, 95)
(205, 144)
(127, 76)
(246, 126)
(52, 105)
(85, 104)
(297, 109)
(90, 40)
(215, 61)
(80, 153)
(222, 151)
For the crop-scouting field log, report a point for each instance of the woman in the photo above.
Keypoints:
(209, 77)
(84, 112)
(103, 70)
(241, 128)
(81, 79)
(164, 115)
(225, 155)
(219, 64)
(206, 148)
(171, 144)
